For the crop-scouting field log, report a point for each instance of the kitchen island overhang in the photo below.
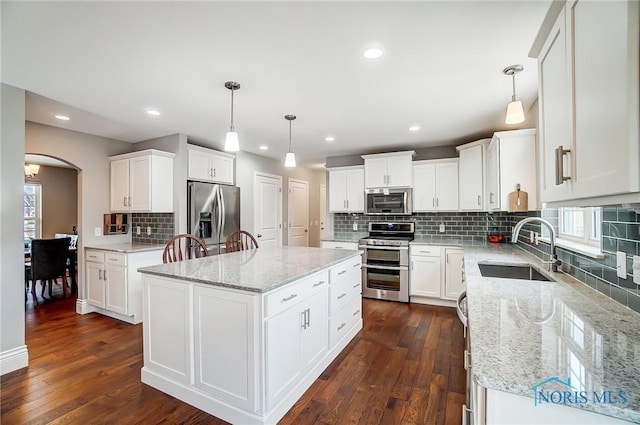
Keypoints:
(243, 335)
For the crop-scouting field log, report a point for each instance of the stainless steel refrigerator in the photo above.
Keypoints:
(214, 212)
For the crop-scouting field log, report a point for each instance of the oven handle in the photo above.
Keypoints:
(388, 248)
(366, 266)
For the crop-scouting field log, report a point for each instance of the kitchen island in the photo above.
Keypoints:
(243, 335)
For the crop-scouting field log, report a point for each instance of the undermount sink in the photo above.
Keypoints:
(514, 271)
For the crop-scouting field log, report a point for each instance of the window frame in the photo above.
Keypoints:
(37, 218)
(590, 215)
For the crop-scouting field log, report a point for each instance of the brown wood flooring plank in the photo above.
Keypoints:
(404, 367)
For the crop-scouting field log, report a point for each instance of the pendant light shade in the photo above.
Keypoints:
(31, 170)
(231, 143)
(290, 158)
(515, 112)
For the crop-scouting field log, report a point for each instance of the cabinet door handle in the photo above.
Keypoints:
(308, 317)
(342, 325)
(125, 201)
(478, 200)
(105, 275)
(318, 284)
(214, 172)
(560, 153)
(100, 274)
(357, 285)
(433, 202)
(303, 319)
(437, 202)
(412, 265)
(347, 204)
(344, 203)
(447, 258)
(342, 296)
(129, 200)
(491, 197)
(342, 272)
(289, 298)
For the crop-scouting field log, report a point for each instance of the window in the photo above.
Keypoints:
(32, 210)
(582, 225)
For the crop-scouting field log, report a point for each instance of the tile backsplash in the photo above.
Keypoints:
(161, 227)
(468, 226)
(620, 232)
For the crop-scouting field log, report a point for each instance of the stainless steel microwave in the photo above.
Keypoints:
(384, 201)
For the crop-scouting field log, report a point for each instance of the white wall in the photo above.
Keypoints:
(247, 163)
(13, 352)
(90, 155)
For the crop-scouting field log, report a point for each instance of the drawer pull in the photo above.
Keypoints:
(342, 326)
(342, 295)
(289, 298)
(113, 259)
(425, 252)
(342, 272)
(318, 284)
(355, 313)
(338, 247)
(357, 265)
(357, 285)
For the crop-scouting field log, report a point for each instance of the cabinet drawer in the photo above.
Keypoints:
(342, 322)
(425, 250)
(116, 259)
(94, 256)
(342, 270)
(294, 292)
(343, 292)
(340, 245)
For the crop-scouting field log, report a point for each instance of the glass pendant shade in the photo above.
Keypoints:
(31, 170)
(231, 142)
(515, 113)
(290, 160)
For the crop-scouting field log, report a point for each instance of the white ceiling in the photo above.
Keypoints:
(104, 63)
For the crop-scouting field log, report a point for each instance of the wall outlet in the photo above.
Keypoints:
(536, 238)
(621, 264)
(531, 237)
(148, 230)
(98, 231)
(636, 269)
(138, 230)
(441, 227)
(355, 226)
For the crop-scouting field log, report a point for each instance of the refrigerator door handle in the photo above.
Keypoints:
(223, 216)
(220, 213)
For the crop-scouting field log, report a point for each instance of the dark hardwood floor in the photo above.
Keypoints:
(404, 367)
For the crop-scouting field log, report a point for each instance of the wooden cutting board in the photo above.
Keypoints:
(518, 200)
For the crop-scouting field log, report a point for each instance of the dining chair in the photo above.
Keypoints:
(184, 247)
(240, 240)
(48, 263)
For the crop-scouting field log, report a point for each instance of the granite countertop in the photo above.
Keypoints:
(525, 332)
(257, 270)
(126, 247)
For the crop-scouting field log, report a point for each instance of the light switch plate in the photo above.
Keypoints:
(148, 230)
(621, 264)
(98, 231)
(137, 230)
(636, 269)
(355, 226)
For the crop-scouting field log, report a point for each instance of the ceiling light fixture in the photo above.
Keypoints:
(62, 117)
(373, 53)
(329, 139)
(153, 112)
(290, 158)
(515, 113)
(231, 141)
(31, 170)
(414, 128)
(264, 148)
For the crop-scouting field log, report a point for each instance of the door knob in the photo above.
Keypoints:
(305, 230)
(259, 235)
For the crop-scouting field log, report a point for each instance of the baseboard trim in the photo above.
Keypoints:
(432, 301)
(14, 359)
(83, 307)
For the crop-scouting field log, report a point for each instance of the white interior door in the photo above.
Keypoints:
(298, 213)
(323, 212)
(267, 209)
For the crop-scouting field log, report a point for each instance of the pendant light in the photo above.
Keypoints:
(231, 141)
(290, 158)
(515, 113)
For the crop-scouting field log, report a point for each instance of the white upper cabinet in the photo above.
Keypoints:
(435, 185)
(388, 169)
(210, 166)
(141, 182)
(589, 109)
(511, 160)
(346, 189)
(471, 177)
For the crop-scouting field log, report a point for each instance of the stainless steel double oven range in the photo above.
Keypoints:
(385, 268)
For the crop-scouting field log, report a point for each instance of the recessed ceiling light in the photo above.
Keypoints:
(62, 117)
(264, 148)
(373, 53)
(153, 112)
(329, 139)
(414, 128)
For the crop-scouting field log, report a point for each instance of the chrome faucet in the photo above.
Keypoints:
(554, 262)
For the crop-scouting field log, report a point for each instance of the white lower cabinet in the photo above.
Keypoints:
(435, 275)
(114, 284)
(247, 357)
